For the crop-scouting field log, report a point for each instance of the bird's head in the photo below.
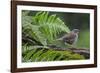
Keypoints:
(75, 31)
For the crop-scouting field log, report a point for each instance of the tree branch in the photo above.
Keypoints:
(82, 51)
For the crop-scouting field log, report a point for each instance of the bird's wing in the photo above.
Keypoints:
(70, 36)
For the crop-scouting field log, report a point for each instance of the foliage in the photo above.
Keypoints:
(31, 54)
(43, 27)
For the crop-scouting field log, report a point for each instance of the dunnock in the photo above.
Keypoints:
(70, 38)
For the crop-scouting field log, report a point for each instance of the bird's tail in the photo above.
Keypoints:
(59, 39)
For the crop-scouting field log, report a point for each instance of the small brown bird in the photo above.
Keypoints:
(70, 38)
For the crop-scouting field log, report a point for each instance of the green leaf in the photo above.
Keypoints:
(36, 56)
(43, 27)
(29, 54)
(42, 54)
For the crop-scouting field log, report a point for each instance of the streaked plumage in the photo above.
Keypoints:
(70, 38)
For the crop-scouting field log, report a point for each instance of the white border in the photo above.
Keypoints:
(54, 63)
